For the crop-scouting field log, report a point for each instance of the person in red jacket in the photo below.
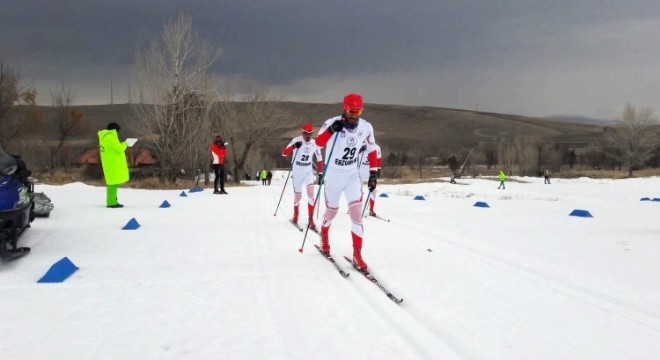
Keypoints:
(218, 151)
(343, 136)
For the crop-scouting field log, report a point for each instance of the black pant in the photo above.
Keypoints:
(220, 174)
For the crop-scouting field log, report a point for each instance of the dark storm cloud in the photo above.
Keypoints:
(284, 42)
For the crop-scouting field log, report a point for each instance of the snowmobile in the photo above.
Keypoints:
(17, 205)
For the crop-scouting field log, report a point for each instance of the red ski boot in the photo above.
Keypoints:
(325, 240)
(371, 208)
(357, 255)
(358, 261)
(295, 215)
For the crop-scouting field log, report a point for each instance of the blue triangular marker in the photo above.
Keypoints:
(656, 199)
(195, 189)
(183, 193)
(644, 199)
(165, 204)
(481, 204)
(383, 195)
(59, 271)
(580, 213)
(132, 224)
(419, 197)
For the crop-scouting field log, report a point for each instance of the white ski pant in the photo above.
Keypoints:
(302, 179)
(349, 184)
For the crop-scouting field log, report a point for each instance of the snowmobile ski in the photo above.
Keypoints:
(13, 254)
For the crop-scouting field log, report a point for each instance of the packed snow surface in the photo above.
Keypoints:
(221, 277)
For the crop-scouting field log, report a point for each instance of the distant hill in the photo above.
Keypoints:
(581, 119)
(401, 127)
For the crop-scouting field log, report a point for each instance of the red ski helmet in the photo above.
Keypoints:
(353, 102)
(308, 128)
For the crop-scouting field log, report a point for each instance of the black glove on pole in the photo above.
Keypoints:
(371, 183)
(336, 126)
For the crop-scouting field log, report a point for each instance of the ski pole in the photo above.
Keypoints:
(366, 202)
(318, 208)
(318, 193)
(315, 204)
(287, 180)
(359, 164)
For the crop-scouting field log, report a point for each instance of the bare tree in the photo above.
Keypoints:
(246, 124)
(525, 153)
(490, 154)
(420, 155)
(176, 118)
(633, 138)
(19, 113)
(69, 121)
(506, 155)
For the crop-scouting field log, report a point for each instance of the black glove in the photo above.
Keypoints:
(371, 184)
(336, 126)
(363, 148)
(320, 182)
(297, 144)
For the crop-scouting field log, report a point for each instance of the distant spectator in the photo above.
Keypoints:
(502, 177)
(269, 177)
(263, 176)
(218, 152)
(546, 174)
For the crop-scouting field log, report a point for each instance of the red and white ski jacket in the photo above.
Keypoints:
(303, 159)
(347, 145)
(218, 152)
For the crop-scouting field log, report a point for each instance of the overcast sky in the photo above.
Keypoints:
(537, 58)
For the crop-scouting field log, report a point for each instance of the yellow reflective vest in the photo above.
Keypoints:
(113, 157)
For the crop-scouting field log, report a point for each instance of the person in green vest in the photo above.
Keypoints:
(502, 177)
(264, 176)
(113, 161)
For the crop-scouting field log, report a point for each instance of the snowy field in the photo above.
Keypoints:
(220, 277)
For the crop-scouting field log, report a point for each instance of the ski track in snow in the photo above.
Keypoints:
(591, 299)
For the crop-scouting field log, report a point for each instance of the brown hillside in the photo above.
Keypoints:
(398, 127)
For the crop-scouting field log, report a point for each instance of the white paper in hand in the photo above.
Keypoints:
(131, 141)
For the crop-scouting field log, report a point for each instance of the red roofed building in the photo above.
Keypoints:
(135, 157)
